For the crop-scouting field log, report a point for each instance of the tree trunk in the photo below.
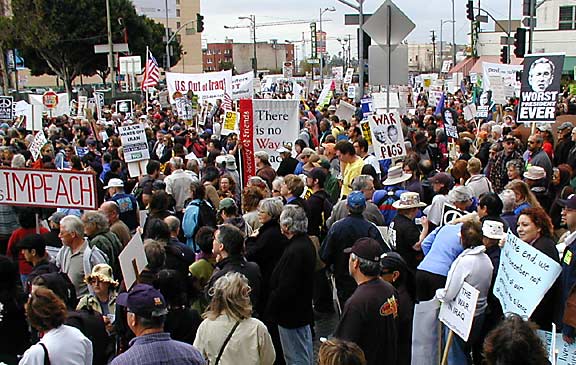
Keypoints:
(4, 71)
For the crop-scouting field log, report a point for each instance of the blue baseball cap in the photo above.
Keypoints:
(144, 301)
(356, 200)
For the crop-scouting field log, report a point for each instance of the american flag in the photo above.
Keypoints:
(151, 72)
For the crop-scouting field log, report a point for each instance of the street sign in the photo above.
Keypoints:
(354, 19)
(377, 26)
(378, 64)
(313, 40)
(50, 99)
(116, 48)
(130, 65)
(482, 18)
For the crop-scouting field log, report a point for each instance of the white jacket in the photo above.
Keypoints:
(66, 346)
(474, 267)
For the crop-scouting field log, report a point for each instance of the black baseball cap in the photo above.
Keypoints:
(317, 173)
(366, 248)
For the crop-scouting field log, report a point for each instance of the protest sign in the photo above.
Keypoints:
(37, 144)
(451, 131)
(134, 142)
(124, 106)
(540, 87)
(501, 91)
(345, 111)
(63, 106)
(208, 86)
(132, 260)
(506, 72)
(449, 213)
(366, 134)
(265, 125)
(325, 95)
(81, 151)
(297, 91)
(48, 188)
(434, 97)
(482, 111)
(99, 101)
(469, 112)
(351, 92)
(231, 119)
(426, 325)
(446, 66)
(379, 101)
(184, 108)
(367, 107)
(564, 353)
(243, 86)
(82, 105)
(387, 136)
(348, 75)
(6, 108)
(524, 276)
(458, 314)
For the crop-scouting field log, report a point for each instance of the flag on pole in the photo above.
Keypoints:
(151, 72)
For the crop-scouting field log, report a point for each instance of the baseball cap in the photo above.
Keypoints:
(32, 241)
(569, 203)
(115, 183)
(56, 217)
(144, 301)
(356, 200)
(366, 248)
(442, 178)
(316, 173)
(226, 203)
(392, 261)
(565, 125)
(158, 185)
(460, 194)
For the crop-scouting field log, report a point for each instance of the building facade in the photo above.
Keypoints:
(270, 56)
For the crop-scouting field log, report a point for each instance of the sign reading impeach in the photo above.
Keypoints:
(48, 188)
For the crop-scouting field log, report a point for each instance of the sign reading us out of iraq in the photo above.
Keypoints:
(540, 87)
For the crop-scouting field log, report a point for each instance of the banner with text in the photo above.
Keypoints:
(494, 70)
(243, 86)
(524, 276)
(265, 125)
(134, 142)
(48, 188)
(540, 87)
(208, 86)
(387, 136)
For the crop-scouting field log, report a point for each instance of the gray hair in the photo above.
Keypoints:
(508, 200)
(18, 161)
(173, 223)
(272, 207)
(192, 165)
(277, 182)
(368, 267)
(360, 182)
(517, 164)
(99, 220)
(177, 162)
(72, 224)
(294, 219)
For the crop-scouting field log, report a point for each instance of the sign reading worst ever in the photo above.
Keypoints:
(48, 188)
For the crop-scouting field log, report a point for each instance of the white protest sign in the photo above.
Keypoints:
(231, 120)
(134, 142)
(379, 100)
(469, 112)
(524, 276)
(208, 86)
(348, 76)
(63, 106)
(351, 92)
(434, 97)
(31, 113)
(82, 105)
(482, 111)
(500, 90)
(450, 212)
(243, 86)
(48, 188)
(345, 111)
(184, 108)
(446, 66)
(387, 136)
(132, 260)
(458, 314)
(37, 144)
(496, 69)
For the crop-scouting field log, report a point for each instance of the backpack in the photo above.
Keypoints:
(197, 214)
(384, 203)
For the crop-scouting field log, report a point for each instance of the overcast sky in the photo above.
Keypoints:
(426, 14)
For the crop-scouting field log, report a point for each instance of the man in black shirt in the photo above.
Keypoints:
(370, 315)
(289, 163)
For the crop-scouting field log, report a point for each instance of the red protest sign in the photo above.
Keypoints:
(50, 99)
(247, 138)
(48, 188)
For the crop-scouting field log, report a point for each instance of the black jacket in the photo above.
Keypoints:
(318, 204)
(292, 283)
(287, 166)
(545, 312)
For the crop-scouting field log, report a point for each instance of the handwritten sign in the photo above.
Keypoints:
(132, 260)
(458, 314)
(231, 120)
(134, 142)
(566, 353)
(524, 276)
(387, 136)
(48, 188)
(37, 144)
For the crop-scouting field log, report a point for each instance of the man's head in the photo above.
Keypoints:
(541, 74)
(569, 212)
(114, 186)
(361, 147)
(356, 202)
(345, 151)
(176, 163)
(111, 210)
(490, 205)
(71, 231)
(535, 142)
(315, 178)
(565, 129)
(364, 184)
(33, 248)
(364, 258)
(509, 144)
(146, 308)
(228, 241)
(173, 224)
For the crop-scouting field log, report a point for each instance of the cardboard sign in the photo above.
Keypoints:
(132, 260)
(458, 314)
(540, 87)
(99, 102)
(387, 136)
(379, 100)
(37, 144)
(345, 111)
(209, 86)
(524, 276)
(184, 108)
(48, 188)
(243, 86)
(564, 353)
(449, 213)
(134, 142)
(348, 76)
(125, 106)
(6, 108)
(231, 119)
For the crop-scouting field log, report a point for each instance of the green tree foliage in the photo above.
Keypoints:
(57, 37)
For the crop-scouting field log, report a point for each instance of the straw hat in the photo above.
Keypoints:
(408, 200)
(102, 272)
(396, 175)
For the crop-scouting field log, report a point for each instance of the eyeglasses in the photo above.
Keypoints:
(531, 142)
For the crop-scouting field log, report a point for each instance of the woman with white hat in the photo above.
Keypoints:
(404, 233)
(103, 300)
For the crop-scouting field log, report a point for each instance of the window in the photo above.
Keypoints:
(178, 24)
(178, 13)
(567, 19)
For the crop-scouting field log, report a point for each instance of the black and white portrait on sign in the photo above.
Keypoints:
(380, 133)
(541, 74)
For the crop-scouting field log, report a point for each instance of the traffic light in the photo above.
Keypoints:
(504, 55)
(199, 23)
(470, 10)
(520, 42)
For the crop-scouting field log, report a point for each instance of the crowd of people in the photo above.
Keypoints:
(238, 267)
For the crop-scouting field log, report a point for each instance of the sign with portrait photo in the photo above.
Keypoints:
(540, 87)
(124, 106)
(387, 136)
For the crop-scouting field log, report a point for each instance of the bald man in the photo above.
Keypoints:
(112, 211)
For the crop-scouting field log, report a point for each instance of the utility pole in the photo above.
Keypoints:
(110, 50)
(433, 49)
(531, 34)
(360, 9)
(453, 37)
(167, 41)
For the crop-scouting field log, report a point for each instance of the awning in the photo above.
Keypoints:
(471, 65)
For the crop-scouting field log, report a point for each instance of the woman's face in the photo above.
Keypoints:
(527, 230)
(284, 190)
(556, 177)
(437, 186)
(263, 217)
(224, 184)
(99, 287)
(512, 173)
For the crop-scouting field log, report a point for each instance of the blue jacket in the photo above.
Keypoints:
(441, 247)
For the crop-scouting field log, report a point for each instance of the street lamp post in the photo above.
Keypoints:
(359, 9)
(167, 40)
(110, 50)
(442, 22)
(252, 19)
(453, 37)
(322, 11)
